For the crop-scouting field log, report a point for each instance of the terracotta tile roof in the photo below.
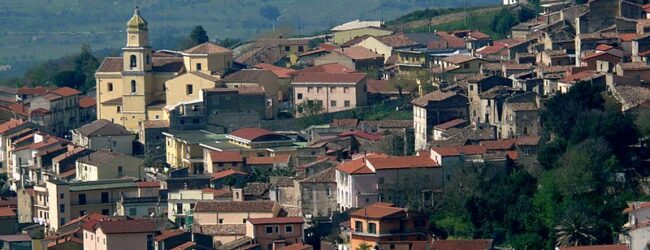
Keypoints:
(15, 238)
(433, 96)
(127, 226)
(528, 140)
(477, 35)
(6, 212)
(458, 150)
(361, 134)
(499, 145)
(65, 91)
(207, 48)
(461, 244)
(102, 128)
(234, 206)
(358, 165)
(598, 35)
(12, 123)
(452, 41)
(278, 159)
(626, 37)
(386, 87)
(355, 41)
(280, 72)
(72, 152)
(582, 75)
(246, 75)
(185, 246)
(329, 78)
(296, 246)
(251, 90)
(325, 68)
(604, 47)
(31, 91)
(358, 53)
(450, 124)
(396, 41)
(148, 184)
(458, 59)
(399, 162)
(277, 220)
(229, 172)
(50, 141)
(596, 247)
(166, 234)
(87, 102)
(226, 156)
(251, 133)
(376, 211)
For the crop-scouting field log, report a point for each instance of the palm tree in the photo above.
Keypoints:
(364, 246)
(574, 230)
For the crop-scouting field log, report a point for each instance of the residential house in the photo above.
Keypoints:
(380, 90)
(180, 204)
(327, 92)
(142, 207)
(520, 116)
(477, 86)
(8, 221)
(267, 163)
(104, 135)
(440, 129)
(23, 156)
(345, 32)
(357, 58)
(57, 109)
(553, 58)
(318, 194)
(435, 108)
(228, 178)
(564, 84)
(274, 233)
(221, 161)
(10, 131)
(188, 87)
(385, 45)
(231, 109)
(382, 223)
(119, 234)
(636, 70)
(87, 109)
(65, 201)
(180, 179)
(635, 230)
(457, 64)
(257, 78)
(151, 141)
(183, 150)
(103, 164)
(226, 221)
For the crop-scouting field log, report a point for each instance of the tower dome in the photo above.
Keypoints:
(136, 23)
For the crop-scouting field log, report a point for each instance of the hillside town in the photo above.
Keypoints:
(362, 138)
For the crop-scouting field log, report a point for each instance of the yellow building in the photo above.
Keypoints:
(343, 36)
(136, 86)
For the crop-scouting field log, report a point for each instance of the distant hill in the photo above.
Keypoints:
(35, 30)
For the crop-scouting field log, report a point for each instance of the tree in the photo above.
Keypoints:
(364, 246)
(229, 42)
(269, 12)
(199, 35)
(575, 229)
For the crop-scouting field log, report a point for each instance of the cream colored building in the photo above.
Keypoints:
(132, 88)
(102, 165)
(180, 203)
(343, 36)
(120, 234)
(104, 135)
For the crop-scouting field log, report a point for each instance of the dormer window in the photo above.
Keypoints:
(133, 61)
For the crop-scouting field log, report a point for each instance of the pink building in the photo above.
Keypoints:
(273, 233)
(119, 234)
(331, 92)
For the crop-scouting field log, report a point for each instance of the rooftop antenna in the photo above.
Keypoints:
(465, 7)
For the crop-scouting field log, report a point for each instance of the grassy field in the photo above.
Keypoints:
(36, 30)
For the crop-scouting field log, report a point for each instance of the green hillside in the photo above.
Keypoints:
(35, 30)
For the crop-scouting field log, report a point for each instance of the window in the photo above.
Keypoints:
(346, 89)
(82, 199)
(104, 197)
(318, 89)
(299, 96)
(110, 87)
(148, 59)
(82, 213)
(288, 229)
(105, 211)
(372, 228)
(62, 208)
(301, 48)
(157, 117)
(192, 205)
(189, 89)
(114, 143)
(133, 211)
(119, 109)
(268, 229)
(309, 89)
(61, 196)
(346, 104)
(332, 89)
(133, 87)
(333, 103)
(287, 48)
(220, 221)
(179, 208)
(358, 226)
(419, 223)
(244, 221)
(329, 191)
(466, 65)
(133, 61)
(198, 66)
(120, 172)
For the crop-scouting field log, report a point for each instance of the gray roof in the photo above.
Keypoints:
(102, 128)
(102, 157)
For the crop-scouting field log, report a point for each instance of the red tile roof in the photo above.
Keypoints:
(185, 246)
(452, 41)
(578, 76)
(12, 123)
(478, 35)
(31, 91)
(6, 212)
(222, 174)
(278, 159)
(329, 78)
(277, 220)
(626, 37)
(400, 162)
(604, 47)
(358, 165)
(280, 72)
(168, 234)
(358, 53)
(251, 133)
(65, 91)
(325, 68)
(87, 102)
(461, 244)
(528, 140)
(458, 150)
(234, 206)
(376, 211)
(148, 184)
(206, 48)
(450, 124)
(362, 134)
(226, 156)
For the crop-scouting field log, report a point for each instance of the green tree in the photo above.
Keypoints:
(198, 35)
(575, 230)
(364, 246)
(230, 42)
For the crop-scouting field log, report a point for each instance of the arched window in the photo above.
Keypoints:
(133, 62)
(133, 86)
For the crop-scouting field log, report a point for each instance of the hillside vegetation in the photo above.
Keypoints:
(35, 30)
